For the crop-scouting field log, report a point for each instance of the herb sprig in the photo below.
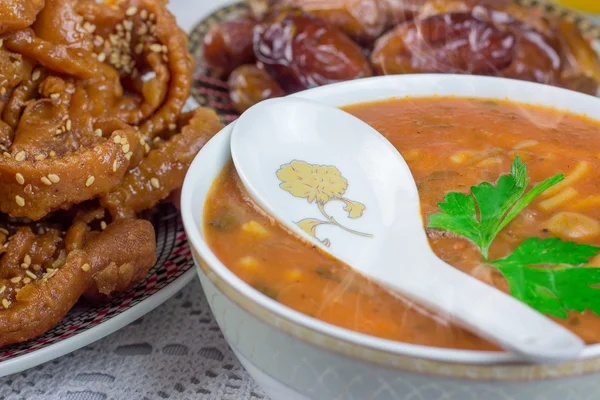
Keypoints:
(546, 273)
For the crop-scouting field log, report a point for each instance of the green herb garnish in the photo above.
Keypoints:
(482, 214)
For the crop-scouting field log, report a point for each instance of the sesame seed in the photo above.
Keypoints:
(157, 48)
(6, 303)
(24, 266)
(28, 189)
(115, 166)
(30, 274)
(117, 139)
(2, 91)
(165, 49)
(152, 16)
(27, 259)
(128, 155)
(85, 267)
(156, 140)
(68, 125)
(125, 148)
(55, 96)
(20, 156)
(40, 157)
(128, 25)
(139, 48)
(98, 132)
(155, 182)
(91, 28)
(172, 127)
(20, 201)
(59, 131)
(142, 141)
(37, 267)
(102, 225)
(144, 14)
(101, 57)
(36, 75)
(20, 178)
(131, 11)
(6, 154)
(52, 153)
(16, 279)
(5, 231)
(90, 181)
(147, 148)
(2, 289)
(54, 178)
(114, 39)
(46, 181)
(27, 280)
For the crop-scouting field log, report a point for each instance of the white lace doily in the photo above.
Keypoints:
(175, 352)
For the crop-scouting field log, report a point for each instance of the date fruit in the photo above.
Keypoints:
(302, 51)
(249, 85)
(444, 43)
(228, 45)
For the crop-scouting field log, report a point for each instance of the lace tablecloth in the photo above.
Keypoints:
(175, 352)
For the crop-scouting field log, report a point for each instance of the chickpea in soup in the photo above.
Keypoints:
(450, 144)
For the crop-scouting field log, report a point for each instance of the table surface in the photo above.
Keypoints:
(175, 352)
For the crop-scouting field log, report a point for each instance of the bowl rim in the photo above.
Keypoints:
(360, 344)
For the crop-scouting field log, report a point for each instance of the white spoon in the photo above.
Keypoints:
(387, 243)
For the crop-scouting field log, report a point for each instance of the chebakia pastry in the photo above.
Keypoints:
(92, 133)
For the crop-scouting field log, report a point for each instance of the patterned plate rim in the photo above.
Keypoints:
(87, 323)
(210, 91)
(91, 335)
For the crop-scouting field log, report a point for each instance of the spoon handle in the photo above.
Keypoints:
(488, 312)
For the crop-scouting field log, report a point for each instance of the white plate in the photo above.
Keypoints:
(87, 323)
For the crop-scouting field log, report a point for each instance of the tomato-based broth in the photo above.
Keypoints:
(450, 144)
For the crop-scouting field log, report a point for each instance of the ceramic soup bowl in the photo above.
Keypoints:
(293, 356)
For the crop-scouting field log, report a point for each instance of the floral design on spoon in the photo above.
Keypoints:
(320, 184)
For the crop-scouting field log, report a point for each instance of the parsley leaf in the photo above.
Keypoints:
(481, 215)
(552, 291)
(497, 206)
(536, 251)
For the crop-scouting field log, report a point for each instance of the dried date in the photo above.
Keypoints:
(302, 51)
(445, 43)
(363, 20)
(536, 57)
(228, 45)
(249, 85)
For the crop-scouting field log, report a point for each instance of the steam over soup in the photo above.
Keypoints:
(451, 145)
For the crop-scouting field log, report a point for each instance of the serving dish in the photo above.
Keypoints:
(295, 357)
